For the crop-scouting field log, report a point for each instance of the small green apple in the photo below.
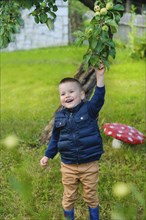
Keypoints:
(89, 31)
(97, 13)
(43, 4)
(105, 28)
(103, 11)
(109, 5)
(96, 8)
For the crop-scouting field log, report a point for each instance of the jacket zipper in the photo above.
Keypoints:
(74, 136)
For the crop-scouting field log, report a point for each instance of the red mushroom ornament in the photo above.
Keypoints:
(123, 133)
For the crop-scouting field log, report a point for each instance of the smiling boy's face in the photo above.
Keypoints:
(70, 94)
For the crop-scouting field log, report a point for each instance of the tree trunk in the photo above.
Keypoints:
(128, 6)
(88, 3)
(88, 82)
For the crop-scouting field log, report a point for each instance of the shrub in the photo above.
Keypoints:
(137, 45)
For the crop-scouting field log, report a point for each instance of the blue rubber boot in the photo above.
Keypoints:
(94, 213)
(69, 214)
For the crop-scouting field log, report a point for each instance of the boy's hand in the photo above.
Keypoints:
(100, 71)
(44, 161)
(100, 75)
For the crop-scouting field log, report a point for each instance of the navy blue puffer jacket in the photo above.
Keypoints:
(76, 134)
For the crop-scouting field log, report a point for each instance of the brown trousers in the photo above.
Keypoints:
(72, 175)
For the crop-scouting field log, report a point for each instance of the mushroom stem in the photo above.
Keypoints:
(116, 143)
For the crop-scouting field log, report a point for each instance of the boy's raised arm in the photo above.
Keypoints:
(100, 75)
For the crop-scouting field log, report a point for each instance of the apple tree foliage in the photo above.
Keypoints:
(11, 21)
(98, 33)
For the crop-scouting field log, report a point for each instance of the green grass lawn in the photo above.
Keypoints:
(29, 96)
(29, 87)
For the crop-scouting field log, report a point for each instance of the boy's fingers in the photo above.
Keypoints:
(101, 67)
(42, 162)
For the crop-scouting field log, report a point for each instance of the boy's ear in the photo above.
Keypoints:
(82, 95)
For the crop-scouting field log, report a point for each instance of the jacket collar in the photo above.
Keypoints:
(75, 109)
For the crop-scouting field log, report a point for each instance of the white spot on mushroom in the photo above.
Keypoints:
(119, 135)
(111, 126)
(140, 133)
(123, 128)
(132, 131)
(130, 134)
(104, 129)
(130, 139)
(139, 137)
(109, 133)
(120, 131)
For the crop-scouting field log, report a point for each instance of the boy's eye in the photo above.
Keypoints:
(62, 94)
(71, 91)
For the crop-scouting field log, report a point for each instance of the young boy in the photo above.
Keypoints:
(77, 138)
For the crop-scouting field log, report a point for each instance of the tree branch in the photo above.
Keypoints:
(88, 3)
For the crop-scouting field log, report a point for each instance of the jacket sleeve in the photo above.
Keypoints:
(52, 149)
(96, 102)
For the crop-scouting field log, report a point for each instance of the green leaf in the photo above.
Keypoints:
(78, 34)
(50, 23)
(55, 8)
(5, 41)
(43, 18)
(114, 29)
(52, 14)
(11, 37)
(97, 31)
(99, 46)
(2, 30)
(112, 53)
(50, 4)
(119, 1)
(97, 65)
(79, 41)
(117, 18)
(113, 25)
(1, 42)
(36, 18)
(87, 57)
(105, 62)
(95, 20)
(111, 43)
(104, 37)
(16, 28)
(118, 7)
(111, 22)
(20, 21)
(94, 60)
(92, 43)
(47, 9)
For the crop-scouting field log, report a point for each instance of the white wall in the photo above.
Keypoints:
(38, 35)
(124, 26)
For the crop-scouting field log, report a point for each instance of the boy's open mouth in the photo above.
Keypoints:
(69, 100)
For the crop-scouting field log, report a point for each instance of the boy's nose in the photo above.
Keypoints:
(67, 96)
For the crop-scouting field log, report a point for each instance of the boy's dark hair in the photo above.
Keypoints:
(69, 79)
